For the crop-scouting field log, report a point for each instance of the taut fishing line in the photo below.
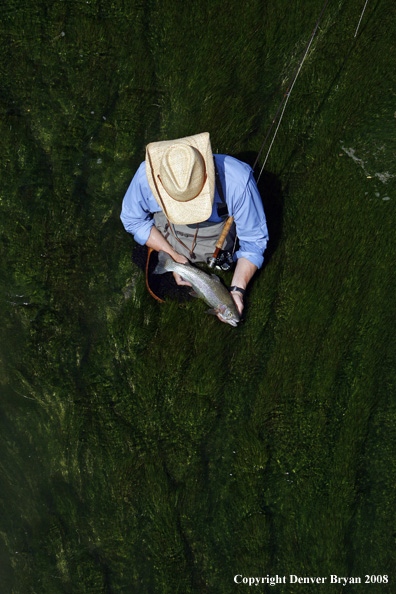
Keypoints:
(286, 96)
(361, 16)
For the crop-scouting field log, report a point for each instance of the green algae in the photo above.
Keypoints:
(148, 448)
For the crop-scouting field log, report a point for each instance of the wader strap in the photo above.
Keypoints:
(222, 209)
(180, 241)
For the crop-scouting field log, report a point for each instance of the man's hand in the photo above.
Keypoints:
(244, 271)
(238, 298)
(179, 279)
(157, 242)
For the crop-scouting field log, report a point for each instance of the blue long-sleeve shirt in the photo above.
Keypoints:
(240, 193)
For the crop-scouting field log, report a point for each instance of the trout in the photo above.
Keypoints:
(206, 286)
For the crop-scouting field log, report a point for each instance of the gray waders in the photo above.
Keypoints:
(200, 239)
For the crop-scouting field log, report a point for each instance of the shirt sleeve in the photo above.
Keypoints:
(136, 215)
(250, 221)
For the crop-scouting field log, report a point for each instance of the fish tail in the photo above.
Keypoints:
(164, 263)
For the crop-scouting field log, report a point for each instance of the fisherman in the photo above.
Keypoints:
(179, 201)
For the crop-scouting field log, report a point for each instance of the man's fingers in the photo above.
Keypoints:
(180, 281)
(238, 299)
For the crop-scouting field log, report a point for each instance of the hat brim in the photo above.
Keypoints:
(188, 212)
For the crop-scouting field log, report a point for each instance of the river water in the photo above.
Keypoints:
(146, 447)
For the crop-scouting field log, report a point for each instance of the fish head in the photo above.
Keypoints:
(228, 314)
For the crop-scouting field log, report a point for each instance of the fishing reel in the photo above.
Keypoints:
(223, 261)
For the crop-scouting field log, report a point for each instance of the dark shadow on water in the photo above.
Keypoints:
(162, 285)
(270, 189)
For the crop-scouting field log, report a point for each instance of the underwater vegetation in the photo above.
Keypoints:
(147, 447)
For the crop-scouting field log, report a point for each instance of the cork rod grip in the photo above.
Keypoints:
(224, 233)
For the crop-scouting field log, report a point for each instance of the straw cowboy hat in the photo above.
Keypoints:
(181, 176)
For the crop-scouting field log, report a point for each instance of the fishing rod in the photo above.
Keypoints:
(286, 96)
(215, 258)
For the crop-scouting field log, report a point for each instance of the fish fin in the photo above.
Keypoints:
(164, 260)
(193, 293)
(159, 269)
(212, 312)
(215, 277)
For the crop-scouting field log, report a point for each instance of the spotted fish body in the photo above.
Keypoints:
(206, 286)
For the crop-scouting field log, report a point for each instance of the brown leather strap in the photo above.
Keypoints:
(147, 283)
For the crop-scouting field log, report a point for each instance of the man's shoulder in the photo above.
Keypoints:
(140, 182)
(140, 174)
(233, 166)
(139, 188)
(234, 169)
